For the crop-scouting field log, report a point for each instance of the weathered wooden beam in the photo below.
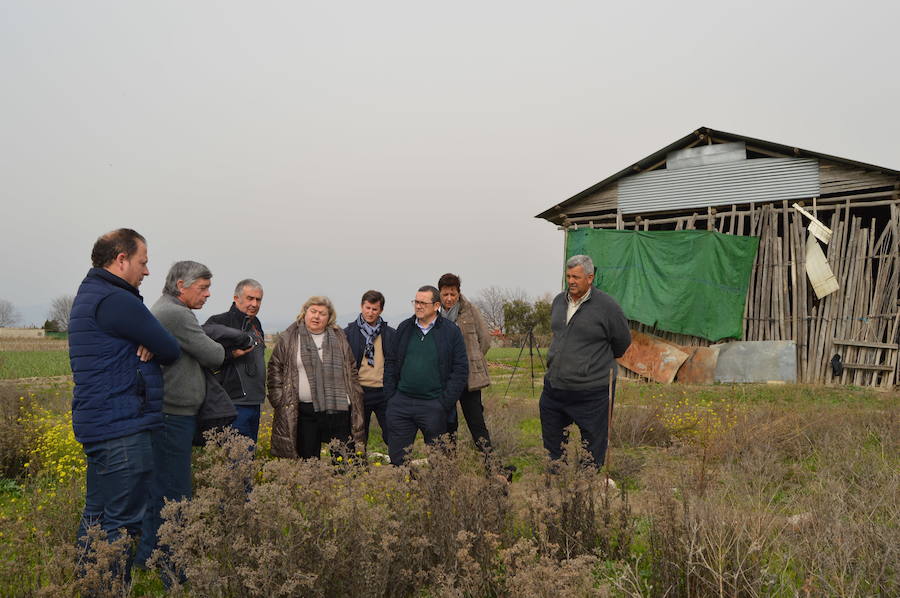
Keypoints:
(869, 344)
(869, 366)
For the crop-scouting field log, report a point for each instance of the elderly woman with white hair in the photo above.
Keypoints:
(313, 385)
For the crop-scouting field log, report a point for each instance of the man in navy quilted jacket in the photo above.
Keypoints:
(116, 347)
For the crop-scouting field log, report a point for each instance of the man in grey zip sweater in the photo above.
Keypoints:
(186, 289)
(589, 332)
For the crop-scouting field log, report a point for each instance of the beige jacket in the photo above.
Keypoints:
(281, 384)
(478, 340)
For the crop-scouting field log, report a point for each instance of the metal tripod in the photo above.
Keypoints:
(533, 348)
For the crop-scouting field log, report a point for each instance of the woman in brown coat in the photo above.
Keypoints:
(456, 308)
(312, 383)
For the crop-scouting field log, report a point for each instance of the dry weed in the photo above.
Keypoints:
(315, 528)
(571, 512)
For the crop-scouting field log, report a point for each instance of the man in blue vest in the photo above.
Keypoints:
(116, 347)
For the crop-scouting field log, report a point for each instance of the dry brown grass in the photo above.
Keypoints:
(794, 494)
(783, 502)
(33, 344)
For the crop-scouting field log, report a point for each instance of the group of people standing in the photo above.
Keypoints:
(325, 382)
(143, 376)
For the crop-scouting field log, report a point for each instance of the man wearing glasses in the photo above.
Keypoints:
(424, 375)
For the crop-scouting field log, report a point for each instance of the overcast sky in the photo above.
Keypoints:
(332, 147)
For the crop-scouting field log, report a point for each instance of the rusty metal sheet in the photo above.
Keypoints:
(653, 357)
(700, 367)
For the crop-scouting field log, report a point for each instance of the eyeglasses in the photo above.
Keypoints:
(422, 303)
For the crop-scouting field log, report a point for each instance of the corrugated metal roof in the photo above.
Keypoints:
(702, 155)
(759, 180)
(554, 214)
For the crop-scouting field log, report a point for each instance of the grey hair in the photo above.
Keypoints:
(435, 294)
(247, 282)
(188, 272)
(586, 263)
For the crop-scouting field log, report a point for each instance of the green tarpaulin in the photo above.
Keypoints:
(691, 282)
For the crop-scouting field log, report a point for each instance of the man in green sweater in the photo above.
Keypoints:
(424, 375)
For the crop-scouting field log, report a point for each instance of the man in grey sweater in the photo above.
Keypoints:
(589, 332)
(186, 289)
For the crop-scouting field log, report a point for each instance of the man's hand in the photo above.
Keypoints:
(144, 353)
(240, 352)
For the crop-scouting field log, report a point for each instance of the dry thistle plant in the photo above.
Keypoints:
(336, 528)
(99, 572)
(530, 573)
(571, 512)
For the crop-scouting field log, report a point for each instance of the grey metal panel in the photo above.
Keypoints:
(757, 180)
(757, 361)
(702, 155)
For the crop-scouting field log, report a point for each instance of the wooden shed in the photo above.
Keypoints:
(736, 185)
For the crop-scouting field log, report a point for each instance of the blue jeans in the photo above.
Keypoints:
(406, 416)
(247, 422)
(171, 476)
(118, 479)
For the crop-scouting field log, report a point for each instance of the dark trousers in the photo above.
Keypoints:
(247, 421)
(118, 480)
(375, 402)
(314, 428)
(588, 409)
(406, 416)
(171, 478)
(473, 411)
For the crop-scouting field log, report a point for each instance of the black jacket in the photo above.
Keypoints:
(453, 361)
(358, 341)
(217, 410)
(243, 378)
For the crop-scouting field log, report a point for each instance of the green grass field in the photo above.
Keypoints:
(33, 364)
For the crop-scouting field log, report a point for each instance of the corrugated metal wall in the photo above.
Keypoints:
(756, 180)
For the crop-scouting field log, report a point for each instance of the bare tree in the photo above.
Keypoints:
(491, 300)
(60, 308)
(9, 315)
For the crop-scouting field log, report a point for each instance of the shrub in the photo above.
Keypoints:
(13, 434)
(572, 512)
(844, 531)
(639, 425)
(530, 573)
(709, 546)
(315, 528)
(53, 452)
(37, 537)
(799, 502)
